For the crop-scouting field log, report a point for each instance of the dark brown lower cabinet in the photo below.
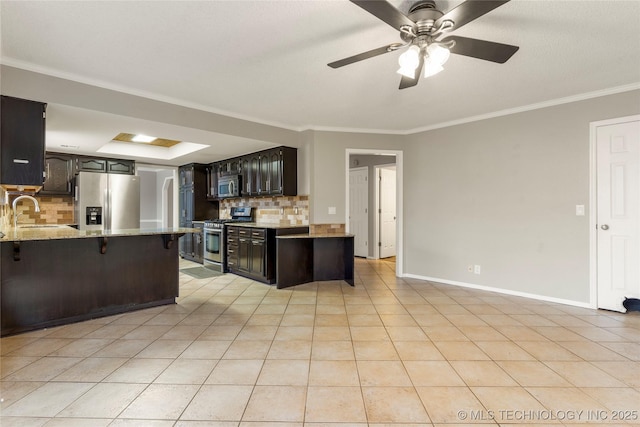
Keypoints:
(251, 251)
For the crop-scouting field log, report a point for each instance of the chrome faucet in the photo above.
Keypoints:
(15, 213)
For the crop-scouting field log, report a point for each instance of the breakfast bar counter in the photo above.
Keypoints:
(304, 258)
(51, 276)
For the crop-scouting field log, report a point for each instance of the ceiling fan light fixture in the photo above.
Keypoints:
(438, 54)
(409, 62)
(431, 67)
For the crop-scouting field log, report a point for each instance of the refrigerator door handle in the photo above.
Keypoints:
(107, 209)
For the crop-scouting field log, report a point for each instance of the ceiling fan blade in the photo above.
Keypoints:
(406, 82)
(468, 11)
(384, 11)
(362, 56)
(482, 49)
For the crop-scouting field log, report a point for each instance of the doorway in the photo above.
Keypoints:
(158, 207)
(356, 158)
(615, 212)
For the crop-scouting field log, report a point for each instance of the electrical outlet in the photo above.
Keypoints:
(470, 268)
(295, 210)
(476, 269)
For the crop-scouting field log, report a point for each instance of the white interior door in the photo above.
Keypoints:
(359, 209)
(618, 213)
(387, 212)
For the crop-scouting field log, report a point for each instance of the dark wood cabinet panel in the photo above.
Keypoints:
(244, 254)
(257, 260)
(185, 175)
(233, 249)
(284, 171)
(275, 185)
(185, 243)
(265, 174)
(245, 177)
(212, 181)
(90, 164)
(58, 174)
(186, 203)
(126, 167)
(254, 175)
(194, 205)
(22, 141)
(230, 166)
(197, 243)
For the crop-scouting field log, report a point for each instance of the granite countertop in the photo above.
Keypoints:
(316, 236)
(58, 232)
(264, 225)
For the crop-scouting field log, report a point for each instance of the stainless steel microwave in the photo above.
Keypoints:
(229, 186)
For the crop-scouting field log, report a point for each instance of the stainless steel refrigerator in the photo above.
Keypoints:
(105, 201)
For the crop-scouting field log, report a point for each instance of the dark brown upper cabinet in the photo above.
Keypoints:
(22, 133)
(58, 169)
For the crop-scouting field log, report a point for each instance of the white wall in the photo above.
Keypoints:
(328, 179)
(148, 199)
(501, 193)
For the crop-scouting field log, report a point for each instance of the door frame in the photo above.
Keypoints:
(593, 203)
(376, 217)
(399, 198)
(167, 191)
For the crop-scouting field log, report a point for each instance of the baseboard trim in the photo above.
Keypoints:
(502, 291)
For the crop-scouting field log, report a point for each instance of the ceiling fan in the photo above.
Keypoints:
(421, 30)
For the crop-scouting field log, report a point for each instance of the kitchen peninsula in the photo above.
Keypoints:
(304, 258)
(53, 275)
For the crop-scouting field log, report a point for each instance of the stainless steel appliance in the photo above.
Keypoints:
(215, 237)
(229, 186)
(105, 201)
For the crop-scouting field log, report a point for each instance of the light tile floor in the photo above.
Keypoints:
(388, 351)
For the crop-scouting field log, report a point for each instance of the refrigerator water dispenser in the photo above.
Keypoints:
(94, 215)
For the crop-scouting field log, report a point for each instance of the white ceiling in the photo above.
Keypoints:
(266, 61)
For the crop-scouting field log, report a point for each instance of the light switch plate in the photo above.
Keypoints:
(332, 210)
(579, 210)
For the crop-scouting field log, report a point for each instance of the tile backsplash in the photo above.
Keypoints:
(281, 210)
(327, 229)
(53, 210)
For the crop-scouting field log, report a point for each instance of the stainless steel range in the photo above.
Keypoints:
(215, 254)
